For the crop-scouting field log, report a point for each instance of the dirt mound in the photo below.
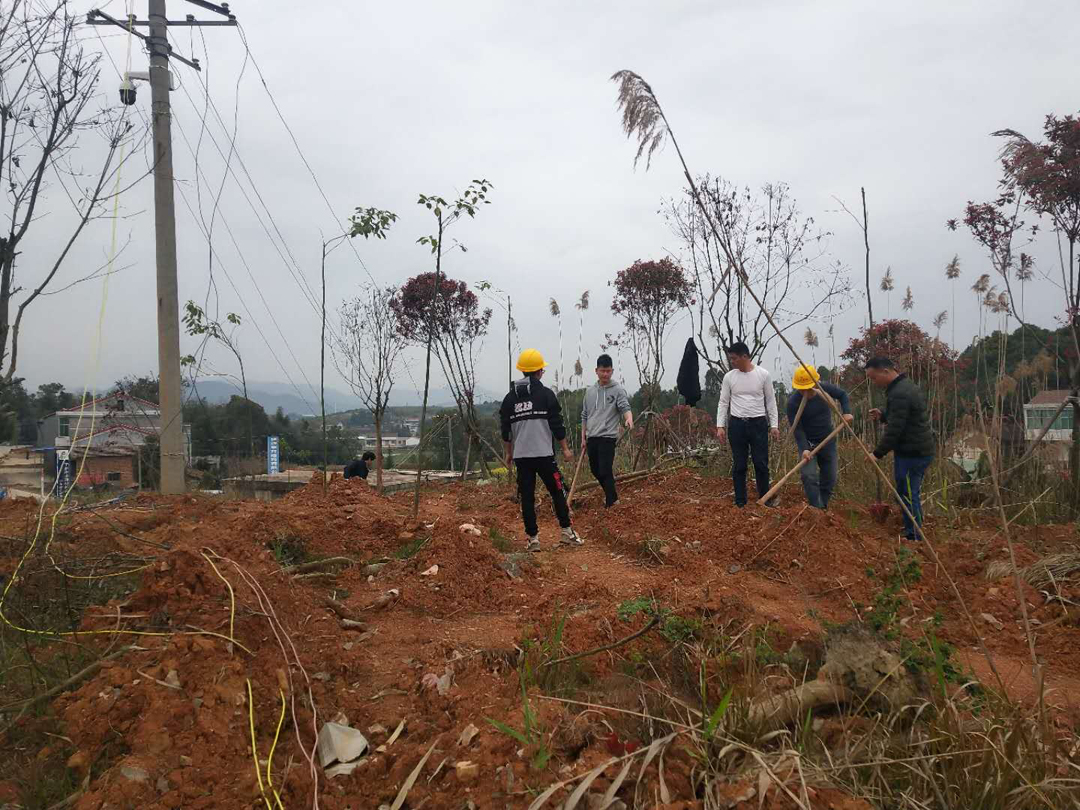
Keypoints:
(446, 618)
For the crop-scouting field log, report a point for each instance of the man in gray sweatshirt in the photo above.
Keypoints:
(605, 405)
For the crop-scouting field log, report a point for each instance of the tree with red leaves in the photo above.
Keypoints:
(929, 362)
(647, 296)
(450, 317)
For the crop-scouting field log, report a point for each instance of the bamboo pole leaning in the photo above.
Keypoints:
(802, 462)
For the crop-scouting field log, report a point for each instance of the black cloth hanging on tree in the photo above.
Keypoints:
(687, 382)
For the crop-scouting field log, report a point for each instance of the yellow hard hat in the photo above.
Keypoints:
(805, 377)
(530, 360)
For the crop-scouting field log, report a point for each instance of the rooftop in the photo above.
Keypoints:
(1052, 397)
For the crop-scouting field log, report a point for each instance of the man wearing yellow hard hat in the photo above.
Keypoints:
(812, 427)
(531, 418)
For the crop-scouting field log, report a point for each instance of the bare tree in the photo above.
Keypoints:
(780, 251)
(48, 82)
(370, 347)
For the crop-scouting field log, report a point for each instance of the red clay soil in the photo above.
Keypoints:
(676, 538)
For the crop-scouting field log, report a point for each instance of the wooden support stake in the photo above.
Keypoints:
(577, 470)
(802, 463)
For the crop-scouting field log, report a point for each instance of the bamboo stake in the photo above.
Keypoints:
(798, 415)
(577, 469)
(802, 463)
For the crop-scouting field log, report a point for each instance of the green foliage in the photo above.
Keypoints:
(289, 549)
(890, 600)
(412, 547)
(531, 735)
(673, 627)
(371, 222)
(500, 541)
(926, 654)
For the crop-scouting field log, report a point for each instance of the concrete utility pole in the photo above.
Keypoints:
(168, 299)
(170, 390)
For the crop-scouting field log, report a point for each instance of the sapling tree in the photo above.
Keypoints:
(446, 214)
(367, 375)
(648, 294)
(368, 355)
(198, 324)
(556, 313)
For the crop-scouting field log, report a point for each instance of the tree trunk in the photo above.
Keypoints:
(378, 453)
(427, 376)
(468, 456)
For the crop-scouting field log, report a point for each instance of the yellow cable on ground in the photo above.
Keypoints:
(273, 747)
(254, 750)
(232, 595)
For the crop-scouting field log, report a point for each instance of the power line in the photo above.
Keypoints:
(299, 151)
(243, 302)
(294, 268)
(243, 259)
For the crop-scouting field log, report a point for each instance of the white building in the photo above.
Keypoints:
(1038, 413)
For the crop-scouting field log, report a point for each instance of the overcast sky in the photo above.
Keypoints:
(390, 100)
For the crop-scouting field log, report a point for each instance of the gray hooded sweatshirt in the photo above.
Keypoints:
(602, 410)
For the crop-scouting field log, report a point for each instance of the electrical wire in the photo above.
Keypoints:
(296, 144)
(293, 267)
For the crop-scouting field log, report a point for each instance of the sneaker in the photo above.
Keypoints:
(532, 542)
(571, 538)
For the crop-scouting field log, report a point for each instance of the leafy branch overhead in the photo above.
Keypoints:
(446, 213)
(371, 222)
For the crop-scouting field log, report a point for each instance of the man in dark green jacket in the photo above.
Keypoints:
(907, 436)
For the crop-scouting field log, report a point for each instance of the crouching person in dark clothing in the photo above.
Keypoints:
(812, 428)
(531, 419)
(908, 436)
(358, 467)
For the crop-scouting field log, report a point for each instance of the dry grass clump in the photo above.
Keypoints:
(956, 748)
(1049, 572)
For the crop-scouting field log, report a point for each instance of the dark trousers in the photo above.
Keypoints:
(819, 476)
(601, 462)
(545, 467)
(909, 472)
(749, 439)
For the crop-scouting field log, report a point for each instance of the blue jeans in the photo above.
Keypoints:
(909, 472)
(819, 475)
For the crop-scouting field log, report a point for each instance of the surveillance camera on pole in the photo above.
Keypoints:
(127, 85)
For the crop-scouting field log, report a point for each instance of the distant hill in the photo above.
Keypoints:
(272, 395)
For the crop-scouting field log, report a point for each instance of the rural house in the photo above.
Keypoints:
(1038, 413)
(108, 431)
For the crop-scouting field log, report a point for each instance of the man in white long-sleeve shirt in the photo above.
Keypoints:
(746, 417)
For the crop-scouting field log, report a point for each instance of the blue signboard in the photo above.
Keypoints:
(64, 476)
(273, 455)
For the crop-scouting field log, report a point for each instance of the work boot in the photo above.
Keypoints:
(571, 538)
(532, 542)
